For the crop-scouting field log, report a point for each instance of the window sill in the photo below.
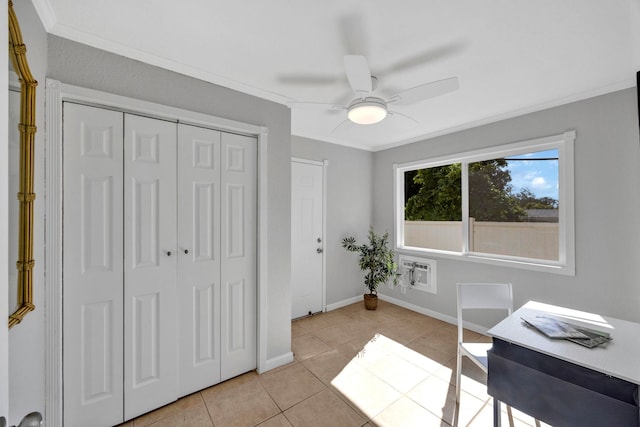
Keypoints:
(553, 268)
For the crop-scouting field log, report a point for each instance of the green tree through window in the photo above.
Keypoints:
(435, 194)
(438, 196)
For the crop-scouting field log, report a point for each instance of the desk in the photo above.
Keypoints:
(563, 383)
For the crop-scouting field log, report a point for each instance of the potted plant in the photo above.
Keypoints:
(377, 259)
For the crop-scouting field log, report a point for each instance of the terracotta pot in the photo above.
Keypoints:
(370, 301)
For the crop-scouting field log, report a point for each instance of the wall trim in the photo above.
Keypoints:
(53, 254)
(276, 362)
(307, 161)
(125, 104)
(436, 315)
(344, 303)
(45, 13)
(325, 167)
(56, 93)
(263, 272)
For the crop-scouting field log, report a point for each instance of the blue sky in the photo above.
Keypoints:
(539, 176)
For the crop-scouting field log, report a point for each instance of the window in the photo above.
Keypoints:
(509, 205)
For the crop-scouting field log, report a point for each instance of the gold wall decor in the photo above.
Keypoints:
(26, 196)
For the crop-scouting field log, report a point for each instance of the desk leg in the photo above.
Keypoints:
(496, 413)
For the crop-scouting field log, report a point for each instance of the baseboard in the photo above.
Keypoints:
(445, 318)
(344, 303)
(276, 362)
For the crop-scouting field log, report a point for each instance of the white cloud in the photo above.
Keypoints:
(538, 181)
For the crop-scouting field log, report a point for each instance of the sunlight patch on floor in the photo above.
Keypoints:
(388, 383)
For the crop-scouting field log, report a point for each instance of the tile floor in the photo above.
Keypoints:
(352, 367)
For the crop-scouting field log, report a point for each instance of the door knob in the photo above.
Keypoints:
(319, 250)
(33, 419)
(319, 240)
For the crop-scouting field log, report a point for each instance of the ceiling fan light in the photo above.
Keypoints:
(367, 111)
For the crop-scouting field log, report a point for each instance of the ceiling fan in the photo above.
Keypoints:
(367, 108)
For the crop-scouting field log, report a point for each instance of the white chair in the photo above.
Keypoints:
(485, 296)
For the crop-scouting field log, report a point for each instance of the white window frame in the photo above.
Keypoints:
(564, 143)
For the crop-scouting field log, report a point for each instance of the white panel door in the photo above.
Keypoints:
(150, 264)
(238, 252)
(198, 258)
(92, 266)
(306, 239)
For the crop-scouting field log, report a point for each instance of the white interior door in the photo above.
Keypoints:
(307, 247)
(150, 264)
(238, 254)
(198, 258)
(92, 266)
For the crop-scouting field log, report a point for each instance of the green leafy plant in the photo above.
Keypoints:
(376, 258)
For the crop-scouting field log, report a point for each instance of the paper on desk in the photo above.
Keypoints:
(553, 328)
(559, 329)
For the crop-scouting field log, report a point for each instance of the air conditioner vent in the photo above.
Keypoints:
(418, 273)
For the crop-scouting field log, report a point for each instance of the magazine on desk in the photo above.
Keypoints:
(557, 329)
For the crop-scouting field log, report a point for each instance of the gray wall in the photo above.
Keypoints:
(607, 205)
(349, 210)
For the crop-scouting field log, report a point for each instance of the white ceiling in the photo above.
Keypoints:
(510, 56)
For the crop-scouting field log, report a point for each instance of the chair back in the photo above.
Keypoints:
(483, 296)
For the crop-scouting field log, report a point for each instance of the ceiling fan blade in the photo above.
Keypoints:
(425, 91)
(402, 121)
(342, 125)
(316, 106)
(358, 74)
(433, 54)
(354, 34)
(309, 79)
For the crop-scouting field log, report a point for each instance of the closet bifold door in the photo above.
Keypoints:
(150, 264)
(198, 258)
(238, 255)
(92, 266)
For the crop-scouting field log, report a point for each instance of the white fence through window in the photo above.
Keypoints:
(520, 239)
